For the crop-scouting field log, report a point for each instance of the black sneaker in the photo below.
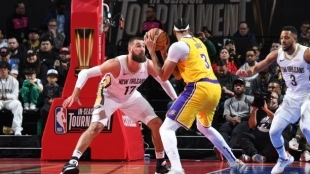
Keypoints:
(71, 168)
(161, 167)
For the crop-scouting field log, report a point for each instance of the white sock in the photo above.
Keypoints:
(218, 141)
(169, 139)
(282, 153)
(160, 155)
(77, 153)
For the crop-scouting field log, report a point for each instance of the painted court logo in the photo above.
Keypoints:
(60, 120)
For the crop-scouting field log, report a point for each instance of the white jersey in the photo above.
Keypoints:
(295, 70)
(125, 85)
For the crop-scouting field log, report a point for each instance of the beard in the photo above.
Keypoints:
(12, 50)
(272, 105)
(288, 48)
(140, 58)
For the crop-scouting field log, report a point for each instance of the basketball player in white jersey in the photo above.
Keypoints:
(293, 60)
(118, 90)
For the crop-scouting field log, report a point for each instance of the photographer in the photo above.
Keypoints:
(256, 144)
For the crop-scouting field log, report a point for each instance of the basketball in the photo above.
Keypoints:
(162, 40)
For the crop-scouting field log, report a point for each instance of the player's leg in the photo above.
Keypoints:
(100, 117)
(279, 123)
(204, 121)
(305, 120)
(138, 108)
(181, 113)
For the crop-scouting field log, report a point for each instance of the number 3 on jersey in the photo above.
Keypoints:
(204, 57)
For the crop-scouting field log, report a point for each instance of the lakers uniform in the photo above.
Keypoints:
(202, 91)
(121, 93)
(296, 74)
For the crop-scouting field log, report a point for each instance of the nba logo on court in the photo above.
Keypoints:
(60, 120)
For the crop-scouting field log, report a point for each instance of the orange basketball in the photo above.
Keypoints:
(162, 40)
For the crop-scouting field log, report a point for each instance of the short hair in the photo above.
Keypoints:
(274, 80)
(16, 5)
(52, 20)
(251, 49)
(291, 29)
(221, 62)
(181, 24)
(46, 39)
(152, 7)
(130, 42)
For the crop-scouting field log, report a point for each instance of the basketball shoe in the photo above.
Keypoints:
(237, 167)
(281, 164)
(161, 167)
(71, 167)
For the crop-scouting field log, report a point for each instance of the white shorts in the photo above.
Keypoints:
(293, 106)
(136, 107)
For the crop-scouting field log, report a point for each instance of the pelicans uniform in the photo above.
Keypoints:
(121, 93)
(202, 91)
(296, 74)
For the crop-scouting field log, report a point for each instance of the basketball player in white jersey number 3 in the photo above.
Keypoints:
(118, 90)
(294, 61)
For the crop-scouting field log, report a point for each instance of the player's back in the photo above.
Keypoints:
(197, 65)
(125, 85)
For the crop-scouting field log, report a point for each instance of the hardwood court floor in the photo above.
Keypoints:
(35, 166)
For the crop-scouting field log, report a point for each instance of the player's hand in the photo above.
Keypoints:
(69, 101)
(242, 73)
(149, 42)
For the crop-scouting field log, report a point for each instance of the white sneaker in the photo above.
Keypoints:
(32, 106)
(305, 156)
(293, 144)
(173, 171)
(26, 106)
(281, 164)
(18, 133)
(245, 158)
(238, 167)
(258, 158)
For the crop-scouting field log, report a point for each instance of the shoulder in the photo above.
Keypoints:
(179, 46)
(307, 55)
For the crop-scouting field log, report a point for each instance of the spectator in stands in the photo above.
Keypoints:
(257, 49)
(208, 34)
(151, 21)
(3, 42)
(14, 73)
(9, 90)
(33, 42)
(52, 32)
(210, 47)
(18, 52)
(244, 39)
(236, 111)
(17, 24)
(226, 80)
(62, 16)
(275, 86)
(303, 30)
(31, 90)
(256, 144)
(225, 55)
(31, 62)
(49, 58)
(5, 55)
(250, 62)
(51, 90)
(234, 56)
(64, 65)
(306, 40)
(300, 142)
(260, 83)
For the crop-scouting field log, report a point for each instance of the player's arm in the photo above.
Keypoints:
(271, 57)
(166, 85)
(307, 55)
(99, 70)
